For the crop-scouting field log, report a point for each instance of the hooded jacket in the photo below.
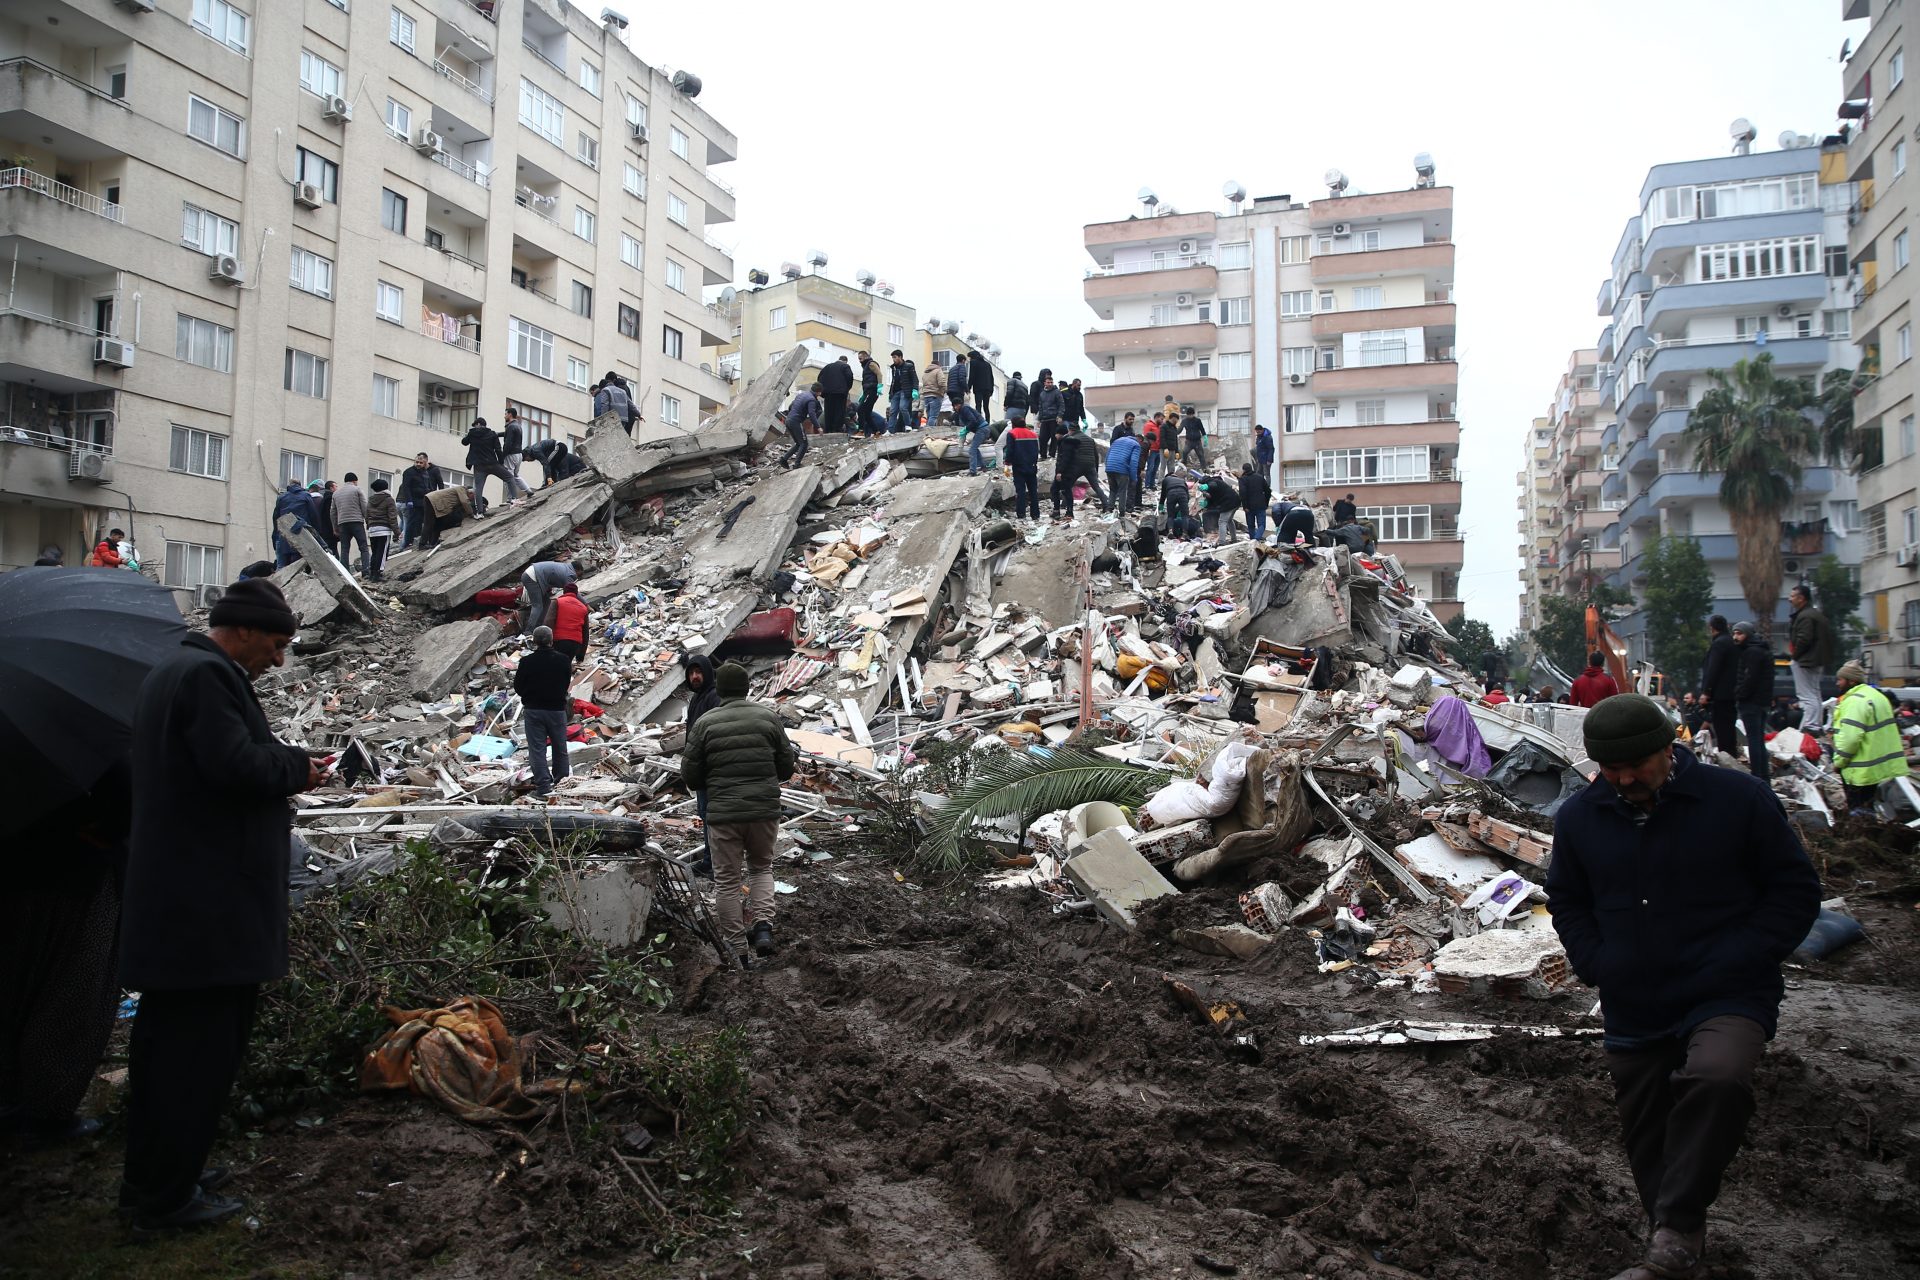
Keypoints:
(295, 502)
(979, 375)
(483, 446)
(933, 383)
(1263, 448)
(382, 513)
(1592, 685)
(739, 754)
(1754, 683)
(1016, 396)
(706, 697)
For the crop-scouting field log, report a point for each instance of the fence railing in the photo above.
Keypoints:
(462, 81)
(447, 160)
(455, 340)
(23, 179)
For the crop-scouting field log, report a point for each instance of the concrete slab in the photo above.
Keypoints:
(603, 900)
(844, 459)
(443, 655)
(918, 556)
(331, 575)
(1109, 870)
(949, 493)
(305, 596)
(758, 541)
(727, 612)
(502, 545)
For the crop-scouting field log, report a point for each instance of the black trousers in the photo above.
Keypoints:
(1684, 1107)
(836, 419)
(980, 399)
(1725, 717)
(185, 1052)
(1026, 493)
(58, 994)
(798, 449)
(869, 397)
(1753, 719)
(1049, 431)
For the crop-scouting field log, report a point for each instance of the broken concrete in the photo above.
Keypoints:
(329, 573)
(603, 900)
(1109, 870)
(500, 546)
(443, 656)
(757, 541)
(310, 601)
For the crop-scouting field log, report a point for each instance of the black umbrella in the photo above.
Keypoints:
(74, 646)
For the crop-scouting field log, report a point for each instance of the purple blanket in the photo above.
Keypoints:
(1452, 732)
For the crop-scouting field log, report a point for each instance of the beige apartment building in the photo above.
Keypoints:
(1879, 95)
(1330, 322)
(247, 242)
(1539, 523)
(1563, 510)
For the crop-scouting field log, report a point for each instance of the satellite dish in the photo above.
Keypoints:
(1741, 130)
(886, 288)
(1234, 192)
(1788, 139)
(1146, 196)
(951, 326)
(996, 350)
(817, 258)
(1336, 181)
(727, 295)
(687, 82)
(866, 278)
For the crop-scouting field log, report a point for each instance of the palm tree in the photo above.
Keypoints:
(1751, 427)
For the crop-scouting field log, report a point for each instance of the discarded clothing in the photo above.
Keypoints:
(460, 1056)
(1452, 732)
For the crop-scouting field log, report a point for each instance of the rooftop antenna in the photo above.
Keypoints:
(1235, 193)
(1336, 182)
(1146, 197)
(866, 279)
(1423, 169)
(817, 259)
(1742, 132)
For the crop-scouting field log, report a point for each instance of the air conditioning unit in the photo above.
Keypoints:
(338, 108)
(440, 393)
(114, 352)
(639, 131)
(223, 266)
(1342, 229)
(208, 596)
(136, 6)
(307, 195)
(91, 465)
(1784, 310)
(1183, 300)
(426, 140)
(1908, 556)
(1296, 379)
(1184, 355)
(1186, 247)
(1790, 565)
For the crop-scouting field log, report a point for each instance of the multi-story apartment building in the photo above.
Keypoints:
(247, 243)
(1329, 322)
(1880, 248)
(1580, 466)
(1728, 258)
(1539, 504)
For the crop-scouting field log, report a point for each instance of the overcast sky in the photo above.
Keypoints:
(957, 150)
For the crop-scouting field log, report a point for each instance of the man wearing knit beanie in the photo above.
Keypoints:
(739, 753)
(1677, 889)
(1867, 747)
(204, 920)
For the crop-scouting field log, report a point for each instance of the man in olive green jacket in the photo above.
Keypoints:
(740, 753)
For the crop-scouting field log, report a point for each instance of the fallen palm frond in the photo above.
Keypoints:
(1025, 785)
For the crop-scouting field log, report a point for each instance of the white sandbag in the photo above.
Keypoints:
(1185, 800)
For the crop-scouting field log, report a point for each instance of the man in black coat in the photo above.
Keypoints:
(1752, 692)
(836, 384)
(205, 916)
(1344, 509)
(1717, 682)
(1677, 889)
(980, 382)
(869, 391)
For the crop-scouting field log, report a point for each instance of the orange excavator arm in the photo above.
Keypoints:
(1601, 640)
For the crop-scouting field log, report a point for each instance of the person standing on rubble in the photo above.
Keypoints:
(1254, 494)
(483, 460)
(1123, 467)
(1074, 405)
(836, 384)
(570, 618)
(1719, 677)
(350, 519)
(1077, 457)
(1048, 406)
(1016, 399)
(1020, 450)
(739, 753)
(416, 482)
(900, 393)
(1593, 685)
(1812, 647)
(1175, 500)
(705, 697)
(1295, 525)
(958, 374)
(542, 680)
(1222, 500)
(513, 444)
(1752, 687)
(1263, 454)
(539, 583)
(1344, 510)
(933, 389)
(805, 409)
(292, 501)
(205, 916)
(1196, 434)
(1677, 888)
(1151, 434)
(1867, 747)
(973, 430)
(869, 390)
(610, 395)
(383, 526)
(980, 382)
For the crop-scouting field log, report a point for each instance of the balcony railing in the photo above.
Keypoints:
(447, 160)
(461, 257)
(541, 54)
(71, 326)
(482, 7)
(1180, 263)
(533, 287)
(41, 185)
(536, 204)
(451, 338)
(1803, 538)
(463, 82)
(44, 440)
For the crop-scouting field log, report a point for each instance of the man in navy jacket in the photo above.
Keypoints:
(1677, 889)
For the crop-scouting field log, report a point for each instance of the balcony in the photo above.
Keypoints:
(1176, 226)
(1433, 261)
(1163, 337)
(1441, 550)
(1151, 393)
(68, 116)
(1439, 489)
(38, 468)
(1417, 375)
(1430, 315)
(1589, 520)
(1435, 432)
(51, 353)
(1676, 359)
(1149, 280)
(1669, 307)
(448, 73)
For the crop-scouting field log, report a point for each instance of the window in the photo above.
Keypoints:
(542, 113)
(1758, 259)
(777, 318)
(1836, 324)
(538, 423)
(1385, 347)
(1326, 300)
(1329, 357)
(1374, 466)
(1910, 526)
(583, 223)
(1163, 313)
(1298, 303)
(117, 81)
(629, 251)
(1234, 257)
(323, 173)
(1901, 252)
(1236, 311)
(896, 334)
(222, 21)
(1899, 157)
(400, 120)
(306, 374)
(388, 301)
(676, 209)
(317, 75)
(582, 299)
(672, 342)
(1896, 68)
(1296, 360)
(1400, 524)
(191, 564)
(301, 468)
(1369, 413)
(629, 322)
(590, 77)
(587, 149)
(1904, 341)
(529, 347)
(386, 396)
(400, 29)
(1368, 297)
(579, 373)
(636, 111)
(670, 410)
(1295, 248)
(634, 183)
(1240, 420)
(215, 127)
(1877, 531)
(198, 453)
(1297, 417)
(312, 273)
(393, 211)
(1837, 261)
(1731, 199)
(678, 141)
(208, 232)
(1236, 364)
(204, 343)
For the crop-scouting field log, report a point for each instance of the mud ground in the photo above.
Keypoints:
(961, 1085)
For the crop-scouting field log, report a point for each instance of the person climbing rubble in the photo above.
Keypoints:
(539, 583)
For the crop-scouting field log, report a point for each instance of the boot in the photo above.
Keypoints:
(1675, 1254)
(212, 1178)
(203, 1210)
(760, 938)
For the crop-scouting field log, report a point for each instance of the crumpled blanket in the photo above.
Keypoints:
(460, 1056)
(1451, 731)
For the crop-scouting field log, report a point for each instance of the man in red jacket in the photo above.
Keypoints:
(107, 554)
(1594, 683)
(570, 623)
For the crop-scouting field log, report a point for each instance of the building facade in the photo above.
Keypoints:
(1880, 248)
(1729, 258)
(248, 243)
(1329, 322)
